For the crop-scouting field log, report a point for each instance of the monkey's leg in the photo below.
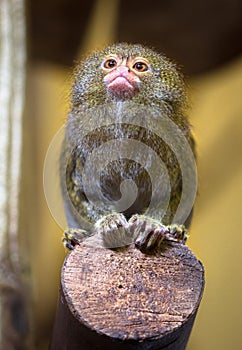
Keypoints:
(149, 233)
(114, 230)
(74, 236)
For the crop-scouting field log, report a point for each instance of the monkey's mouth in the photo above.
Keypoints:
(121, 86)
(121, 83)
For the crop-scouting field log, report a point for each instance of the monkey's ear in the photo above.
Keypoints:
(172, 78)
(173, 85)
(77, 93)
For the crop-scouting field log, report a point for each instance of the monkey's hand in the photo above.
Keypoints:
(114, 230)
(149, 233)
(74, 236)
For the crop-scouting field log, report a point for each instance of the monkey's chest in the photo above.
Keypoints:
(125, 167)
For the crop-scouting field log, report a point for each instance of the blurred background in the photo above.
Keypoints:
(205, 38)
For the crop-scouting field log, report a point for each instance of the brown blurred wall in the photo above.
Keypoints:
(204, 37)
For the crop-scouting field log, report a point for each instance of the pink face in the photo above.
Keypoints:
(122, 75)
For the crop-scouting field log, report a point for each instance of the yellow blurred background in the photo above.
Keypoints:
(216, 116)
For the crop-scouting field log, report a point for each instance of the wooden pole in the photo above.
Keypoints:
(127, 300)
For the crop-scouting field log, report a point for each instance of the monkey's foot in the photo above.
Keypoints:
(114, 231)
(149, 234)
(74, 236)
(177, 233)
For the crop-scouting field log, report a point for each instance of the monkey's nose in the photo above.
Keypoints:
(122, 69)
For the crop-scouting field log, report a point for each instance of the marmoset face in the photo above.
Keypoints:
(123, 75)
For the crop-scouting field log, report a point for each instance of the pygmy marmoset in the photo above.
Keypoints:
(120, 82)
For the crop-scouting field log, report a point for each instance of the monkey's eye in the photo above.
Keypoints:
(110, 63)
(141, 67)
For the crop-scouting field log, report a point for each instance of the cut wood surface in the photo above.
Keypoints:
(127, 300)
